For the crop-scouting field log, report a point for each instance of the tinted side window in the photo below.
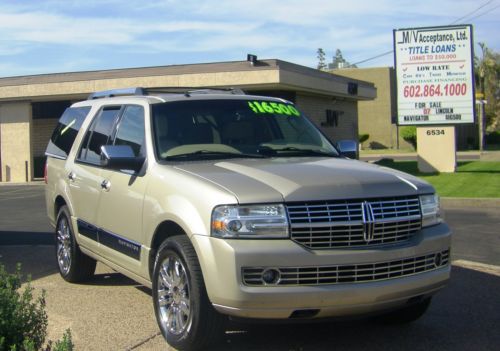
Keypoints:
(66, 130)
(131, 129)
(98, 134)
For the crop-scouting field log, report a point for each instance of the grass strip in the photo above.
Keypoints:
(475, 179)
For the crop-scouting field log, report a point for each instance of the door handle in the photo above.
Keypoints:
(106, 185)
(71, 176)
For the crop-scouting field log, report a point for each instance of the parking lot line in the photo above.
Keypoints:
(477, 266)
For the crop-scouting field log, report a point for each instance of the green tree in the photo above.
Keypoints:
(487, 73)
(321, 59)
(340, 62)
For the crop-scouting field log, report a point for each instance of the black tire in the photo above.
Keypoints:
(74, 266)
(198, 324)
(406, 314)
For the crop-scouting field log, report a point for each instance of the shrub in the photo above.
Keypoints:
(493, 138)
(66, 344)
(23, 320)
(409, 133)
(363, 137)
(472, 143)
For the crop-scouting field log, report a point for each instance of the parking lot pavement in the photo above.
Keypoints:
(475, 233)
(22, 215)
(113, 313)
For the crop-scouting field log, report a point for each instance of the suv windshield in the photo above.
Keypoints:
(234, 128)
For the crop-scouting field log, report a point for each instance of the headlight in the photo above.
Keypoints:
(431, 212)
(252, 221)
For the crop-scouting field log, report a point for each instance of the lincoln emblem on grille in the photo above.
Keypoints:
(368, 221)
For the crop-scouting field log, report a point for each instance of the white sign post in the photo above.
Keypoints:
(435, 83)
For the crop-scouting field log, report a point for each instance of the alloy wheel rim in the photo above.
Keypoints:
(174, 295)
(64, 245)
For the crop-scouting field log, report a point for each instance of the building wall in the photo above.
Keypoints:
(315, 108)
(15, 138)
(376, 116)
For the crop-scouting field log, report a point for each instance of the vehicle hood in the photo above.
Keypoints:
(304, 178)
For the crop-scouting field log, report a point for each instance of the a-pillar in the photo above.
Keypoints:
(15, 142)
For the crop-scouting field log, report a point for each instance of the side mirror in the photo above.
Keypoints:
(348, 148)
(120, 157)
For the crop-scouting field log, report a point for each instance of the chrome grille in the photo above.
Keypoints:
(336, 224)
(356, 273)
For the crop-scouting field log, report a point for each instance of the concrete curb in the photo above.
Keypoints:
(454, 202)
(478, 266)
(412, 156)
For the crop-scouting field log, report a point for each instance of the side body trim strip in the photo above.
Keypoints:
(111, 240)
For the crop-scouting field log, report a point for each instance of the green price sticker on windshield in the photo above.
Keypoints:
(273, 107)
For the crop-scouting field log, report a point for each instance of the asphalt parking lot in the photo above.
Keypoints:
(114, 313)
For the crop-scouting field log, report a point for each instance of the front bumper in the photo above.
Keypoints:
(222, 262)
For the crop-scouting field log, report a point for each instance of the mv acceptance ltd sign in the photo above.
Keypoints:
(434, 75)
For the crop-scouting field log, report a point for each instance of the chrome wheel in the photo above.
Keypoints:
(173, 290)
(185, 315)
(63, 245)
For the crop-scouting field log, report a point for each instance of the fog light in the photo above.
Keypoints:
(438, 259)
(271, 276)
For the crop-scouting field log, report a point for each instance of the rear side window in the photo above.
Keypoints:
(98, 134)
(131, 129)
(66, 130)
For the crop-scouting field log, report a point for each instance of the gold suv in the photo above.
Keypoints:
(228, 204)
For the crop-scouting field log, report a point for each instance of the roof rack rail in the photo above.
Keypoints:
(116, 92)
(164, 90)
(193, 90)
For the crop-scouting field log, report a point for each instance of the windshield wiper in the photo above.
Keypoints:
(212, 154)
(298, 152)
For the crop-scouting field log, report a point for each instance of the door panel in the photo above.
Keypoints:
(84, 176)
(119, 212)
(119, 217)
(85, 191)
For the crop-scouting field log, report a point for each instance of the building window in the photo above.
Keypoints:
(49, 109)
(332, 118)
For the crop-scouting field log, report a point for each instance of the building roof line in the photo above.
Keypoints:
(198, 68)
(288, 66)
(133, 72)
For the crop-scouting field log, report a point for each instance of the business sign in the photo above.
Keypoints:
(434, 75)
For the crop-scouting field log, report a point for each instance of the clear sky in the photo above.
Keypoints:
(47, 36)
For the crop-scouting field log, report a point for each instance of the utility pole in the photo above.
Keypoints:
(482, 102)
(481, 122)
